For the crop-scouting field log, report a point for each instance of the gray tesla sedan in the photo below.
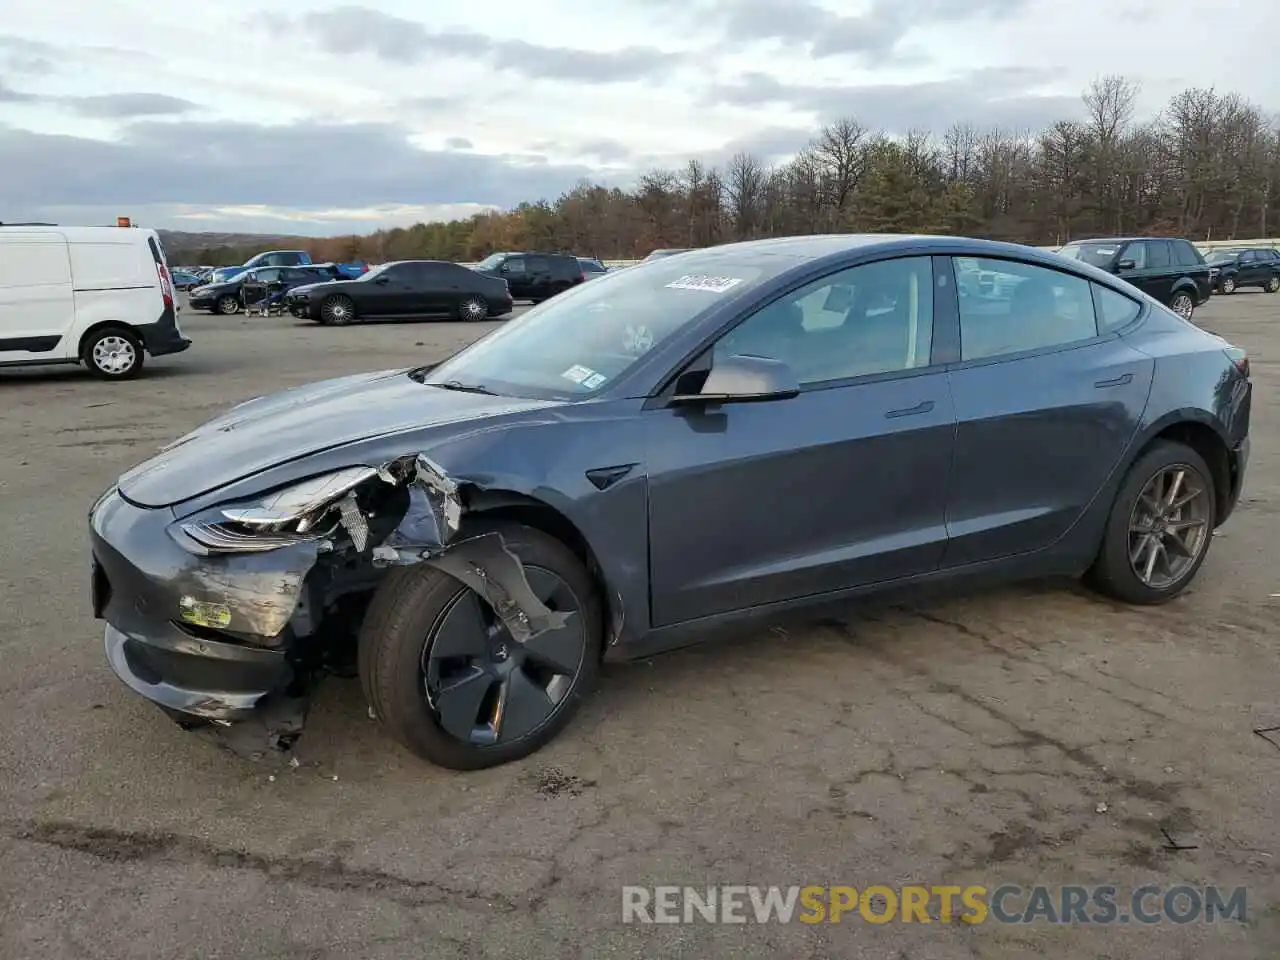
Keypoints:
(689, 445)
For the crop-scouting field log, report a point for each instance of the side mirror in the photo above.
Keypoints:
(1126, 265)
(743, 379)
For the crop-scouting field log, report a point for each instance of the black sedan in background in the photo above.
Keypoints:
(406, 288)
(224, 297)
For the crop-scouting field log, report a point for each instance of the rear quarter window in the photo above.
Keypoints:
(1114, 310)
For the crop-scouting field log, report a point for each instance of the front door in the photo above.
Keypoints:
(1047, 399)
(1153, 271)
(844, 485)
(515, 271)
(37, 303)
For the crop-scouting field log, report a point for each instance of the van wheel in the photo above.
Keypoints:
(1160, 527)
(113, 353)
(227, 305)
(446, 679)
(337, 311)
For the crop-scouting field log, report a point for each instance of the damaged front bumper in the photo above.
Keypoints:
(217, 618)
(146, 587)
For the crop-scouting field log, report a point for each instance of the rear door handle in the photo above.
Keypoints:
(1119, 381)
(924, 406)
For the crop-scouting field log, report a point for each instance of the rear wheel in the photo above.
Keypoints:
(1160, 527)
(1273, 285)
(1182, 305)
(113, 353)
(473, 309)
(337, 311)
(1228, 285)
(227, 305)
(446, 679)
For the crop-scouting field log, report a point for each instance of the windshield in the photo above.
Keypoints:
(572, 346)
(491, 262)
(1094, 254)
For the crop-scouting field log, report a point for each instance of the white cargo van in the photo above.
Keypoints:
(100, 296)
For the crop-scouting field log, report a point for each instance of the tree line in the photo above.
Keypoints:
(1206, 168)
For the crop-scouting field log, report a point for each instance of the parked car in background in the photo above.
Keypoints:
(101, 296)
(487, 520)
(184, 280)
(401, 290)
(1245, 267)
(353, 269)
(592, 267)
(533, 276)
(1171, 270)
(223, 296)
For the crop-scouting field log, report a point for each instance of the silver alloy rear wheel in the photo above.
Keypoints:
(1229, 285)
(473, 309)
(1182, 305)
(1273, 285)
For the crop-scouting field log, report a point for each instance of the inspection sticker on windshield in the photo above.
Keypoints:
(579, 374)
(707, 284)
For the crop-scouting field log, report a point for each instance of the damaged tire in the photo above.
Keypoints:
(446, 678)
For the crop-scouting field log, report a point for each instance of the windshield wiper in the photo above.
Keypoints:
(465, 387)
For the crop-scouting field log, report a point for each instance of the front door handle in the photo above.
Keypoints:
(1119, 381)
(924, 406)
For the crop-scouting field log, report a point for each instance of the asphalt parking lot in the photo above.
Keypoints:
(1023, 736)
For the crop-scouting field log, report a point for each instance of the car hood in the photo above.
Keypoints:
(297, 423)
(322, 285)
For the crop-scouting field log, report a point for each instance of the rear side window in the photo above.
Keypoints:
(1157, 253)
(538, 265)
(1020, 306)
(1114, 310)
(1185, 254)
(39, 264)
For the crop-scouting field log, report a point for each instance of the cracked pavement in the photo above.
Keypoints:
(969, 740)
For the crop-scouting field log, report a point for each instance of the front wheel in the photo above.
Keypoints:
(1273, 284)
(1160, 527)
(1182, 305)
(113, 354)
(1228, 285)
(337, 311)
(227, 305)
(448, 681)
(473, 309)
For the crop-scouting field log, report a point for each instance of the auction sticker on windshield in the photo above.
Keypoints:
(580, 374)
(707, 284)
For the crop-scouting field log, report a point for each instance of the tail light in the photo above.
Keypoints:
(1240, 359)
(582, 277)
(166, 285)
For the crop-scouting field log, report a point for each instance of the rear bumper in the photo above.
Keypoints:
(163, 336)
(500, 306)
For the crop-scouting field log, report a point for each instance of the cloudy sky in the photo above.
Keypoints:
(319, 118)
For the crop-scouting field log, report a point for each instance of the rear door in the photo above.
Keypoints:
(37, 306)
(1250, 268)
(539, 269)
(1047, 397)
(515, 271)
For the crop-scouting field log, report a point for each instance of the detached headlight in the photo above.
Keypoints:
(297, 514)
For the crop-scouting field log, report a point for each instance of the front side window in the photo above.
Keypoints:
(1095, 254)
(514, 265)
(871, 319)
(1029, 308)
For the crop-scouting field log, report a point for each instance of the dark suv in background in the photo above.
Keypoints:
(533, 276)
(1238, 267)
(1172, 271)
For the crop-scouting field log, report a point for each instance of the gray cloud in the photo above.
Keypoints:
(997, 97)
(305, 166)
(349, 30)
(825, 33)
(459, 143)
(107, 106)
(19, 55)
(117, 106)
